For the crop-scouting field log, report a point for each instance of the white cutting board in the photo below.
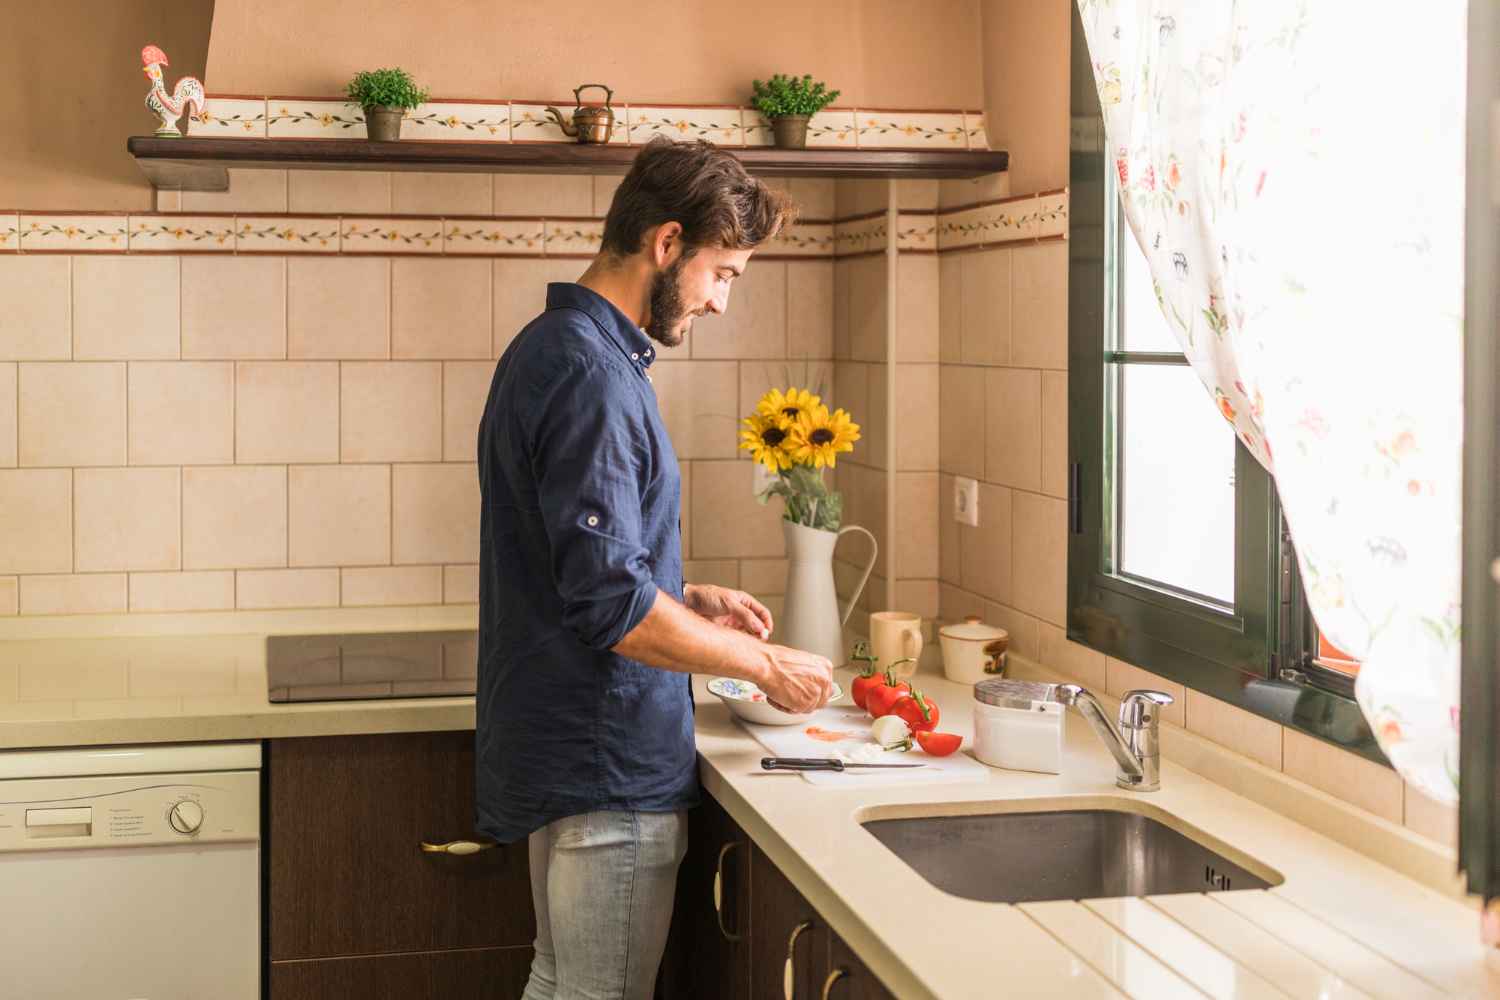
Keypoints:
(793, 741)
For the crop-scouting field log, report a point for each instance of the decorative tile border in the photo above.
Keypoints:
(10, 231)
(1052, 213)
(288, 118)
(181, 233)
(493, 237)
(286, 234)
(916, 231)
(721, 126)
(99, 232)
(910, 129)
(531, 123)
(230, 118)
(394, 235)
(831, 128)
(974, 130)
(1003, 221)
(803, 239)
(458, 121)
(862, 235)
(573, 236)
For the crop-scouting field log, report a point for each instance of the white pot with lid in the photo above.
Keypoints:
(972, 650)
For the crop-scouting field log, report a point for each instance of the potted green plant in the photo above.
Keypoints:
(385, 95)
(789, 102)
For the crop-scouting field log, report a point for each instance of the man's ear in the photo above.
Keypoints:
(666, 243)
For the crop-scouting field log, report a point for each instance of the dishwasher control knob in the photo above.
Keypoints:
(186, 817)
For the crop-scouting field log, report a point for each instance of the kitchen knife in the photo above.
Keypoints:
(818, 764)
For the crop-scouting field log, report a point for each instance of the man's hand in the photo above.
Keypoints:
(796, 681)
(731, 608)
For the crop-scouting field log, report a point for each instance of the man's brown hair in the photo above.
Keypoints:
(703, 188)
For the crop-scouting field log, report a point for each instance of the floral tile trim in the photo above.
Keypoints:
(464, 122)
(859, 236)
(365, 235)
(581, 236)
(803, 239)
(909, 129)
(531, 123)
(10, 231)
(291, 119)
(230, 118)
(721, 126)
(974, 130)
(828, 129)
(916, 232)
(286, 234)
(74, 232)
(524, 237)
(1052, 214)
(182, 233)
(998, 223)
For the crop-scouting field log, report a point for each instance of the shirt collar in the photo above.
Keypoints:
(631, 339)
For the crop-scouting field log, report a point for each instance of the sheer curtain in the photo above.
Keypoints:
(1293, 172)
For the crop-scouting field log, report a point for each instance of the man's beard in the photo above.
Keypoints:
(667, 309)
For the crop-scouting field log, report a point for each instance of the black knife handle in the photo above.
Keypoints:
(801, 764)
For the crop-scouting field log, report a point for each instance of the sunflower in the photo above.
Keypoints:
(789, 406)
(817, 438)
(766, 437)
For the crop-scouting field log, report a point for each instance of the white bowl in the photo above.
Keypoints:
(749, 702)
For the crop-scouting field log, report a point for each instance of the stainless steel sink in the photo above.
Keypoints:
(1071, 854)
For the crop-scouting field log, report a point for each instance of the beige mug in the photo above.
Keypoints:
(896, 635)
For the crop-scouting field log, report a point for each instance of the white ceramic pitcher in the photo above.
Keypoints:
(812, 619)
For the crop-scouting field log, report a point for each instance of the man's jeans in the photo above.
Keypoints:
(603, 884)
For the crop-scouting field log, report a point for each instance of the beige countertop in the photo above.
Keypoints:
(1339, 925)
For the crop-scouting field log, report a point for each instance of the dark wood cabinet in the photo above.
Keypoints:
(847, 977)
(790, 947)
(709, 947)
(348, 880)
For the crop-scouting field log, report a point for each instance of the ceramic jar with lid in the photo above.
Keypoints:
(973, 651)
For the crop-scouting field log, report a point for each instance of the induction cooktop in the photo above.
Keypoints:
(358, 665)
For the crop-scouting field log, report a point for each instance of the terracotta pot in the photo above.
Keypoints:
(383, 124)
(790, 131)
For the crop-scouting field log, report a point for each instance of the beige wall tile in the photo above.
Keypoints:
(126, 307)
(696, 400)
(814, 196)
(180, 412)
(168, 201)
(388, 585)
(949, 550)
(875, 428)
(917, 526)
(37, 321)
(1121, 677)
(985, 307)
(843, 280)
(809, 291)
(36, 533)
(723, 572)
(203, 591)
(987, 552)
(521, 293)
(754, 322)
(72, 414)
(920, 597)
(391, 411)
(339, 307)
(249, 191)
(94, 670)
(969, 191)
(360, 191)
(440, 308)
(9, 414)
(422, 193)
(286, 411)
(1040, 566)
(1013, 428)
(233, 516)
(917, 417)
(339, 515)
(757, 377)
(258, 589)
(917, 307)
(856, 197)
(1074, 659)
(605, 187)
(918, 195)
(726, 521)
(1025, 631)
(81, 594)
(851, 384)
(466, 387)
(1343, 775)
(685, 520)
(460, 584)
(1039, 307)
(127, 519)
(1432, 819)
(763, 576)
(867, 306)
(865, 504)
(950, 308)
(1239, 730)
(10, 595)
(235, 307)
(544, 194)
(435, 513)
(1055, 434)
(955, 603)
(961, 418)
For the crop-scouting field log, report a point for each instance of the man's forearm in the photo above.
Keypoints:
(672, 637)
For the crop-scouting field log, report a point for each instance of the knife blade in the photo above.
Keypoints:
(817, 764)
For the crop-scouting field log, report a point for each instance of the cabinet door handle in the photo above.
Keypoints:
(789, 972)
(719, 892)
(833, 977)
(457, 847)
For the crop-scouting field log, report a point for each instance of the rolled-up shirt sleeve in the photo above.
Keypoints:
(590, 455)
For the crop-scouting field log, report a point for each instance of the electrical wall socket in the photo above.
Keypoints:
(761, 479)
(966, 501)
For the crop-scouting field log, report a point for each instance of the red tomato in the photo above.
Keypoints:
(939, 744)
(881, 697)
(867, 677)
(919, 711)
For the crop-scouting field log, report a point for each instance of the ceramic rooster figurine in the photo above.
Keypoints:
(169, 107)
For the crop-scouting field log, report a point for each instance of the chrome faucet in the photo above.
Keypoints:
(1137, 743)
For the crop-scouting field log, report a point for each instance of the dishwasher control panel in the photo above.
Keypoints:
(129, 810)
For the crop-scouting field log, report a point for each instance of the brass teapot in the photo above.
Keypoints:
(592, 123)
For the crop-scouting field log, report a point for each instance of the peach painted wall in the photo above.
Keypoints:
(1026, 45)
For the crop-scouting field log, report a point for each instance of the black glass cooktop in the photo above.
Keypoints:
(358, 665)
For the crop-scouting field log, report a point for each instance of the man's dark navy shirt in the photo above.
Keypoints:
(580, 503)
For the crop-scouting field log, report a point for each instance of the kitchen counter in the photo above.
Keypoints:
(1339, 925)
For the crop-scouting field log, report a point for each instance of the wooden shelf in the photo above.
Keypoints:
(203, 164)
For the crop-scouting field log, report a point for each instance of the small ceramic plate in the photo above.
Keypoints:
(749, 702)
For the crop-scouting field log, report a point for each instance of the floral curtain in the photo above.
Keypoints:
(1293, 172)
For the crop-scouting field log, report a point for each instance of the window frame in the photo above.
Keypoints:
(1260, 657)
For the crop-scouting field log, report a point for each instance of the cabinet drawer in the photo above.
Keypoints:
(487, 973)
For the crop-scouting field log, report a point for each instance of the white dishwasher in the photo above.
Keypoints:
(130, 873)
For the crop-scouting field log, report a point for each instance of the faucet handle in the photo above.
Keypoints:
(1140, 709)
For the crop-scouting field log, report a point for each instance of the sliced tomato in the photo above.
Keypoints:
(939, 744)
